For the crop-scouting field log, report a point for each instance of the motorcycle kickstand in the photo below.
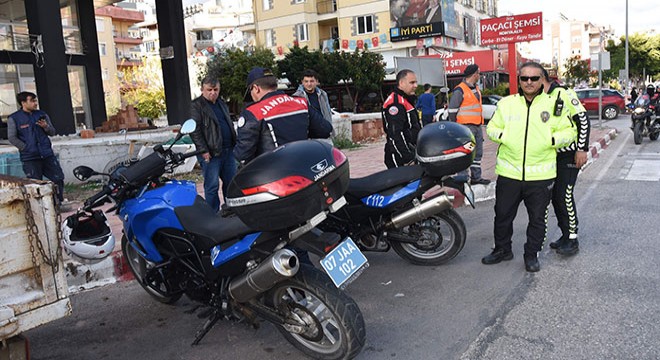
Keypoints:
(207, 327)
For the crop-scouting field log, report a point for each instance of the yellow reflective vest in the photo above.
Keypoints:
(528, 137)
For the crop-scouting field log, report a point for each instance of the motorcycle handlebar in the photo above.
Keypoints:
(92, 201)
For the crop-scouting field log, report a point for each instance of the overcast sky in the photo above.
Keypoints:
(643, 15)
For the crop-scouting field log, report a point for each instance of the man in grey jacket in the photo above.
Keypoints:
(216, 136)
(316, 97)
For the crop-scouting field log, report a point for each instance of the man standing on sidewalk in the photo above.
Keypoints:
(570, 160)
(317, 99)
(426, 103)
(216, 137)
(401, 121)
(29, 129)
(528, 134)
(465, 108)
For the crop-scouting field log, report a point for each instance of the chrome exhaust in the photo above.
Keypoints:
(421, 211)
(280, 266)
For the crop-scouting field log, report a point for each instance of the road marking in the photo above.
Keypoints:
(644, 170)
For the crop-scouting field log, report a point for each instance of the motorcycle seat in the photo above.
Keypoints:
(383, 180)
(200, 219)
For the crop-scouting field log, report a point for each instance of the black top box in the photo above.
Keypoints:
(445, 148)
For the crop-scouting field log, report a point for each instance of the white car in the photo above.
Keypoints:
(488, 105)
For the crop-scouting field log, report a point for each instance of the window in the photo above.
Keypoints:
(105, 74)
(301, 31)
(365, 24)
(266, 4)
(298, 1)
(204, 35)
(102, 49)
(100, 24)
(269, 38)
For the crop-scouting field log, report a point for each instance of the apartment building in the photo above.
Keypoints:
(576, 38)
(394, 28)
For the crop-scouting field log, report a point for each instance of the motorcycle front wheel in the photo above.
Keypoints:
(330, 324)
(139, 267)
(637, 133)
(440, 239)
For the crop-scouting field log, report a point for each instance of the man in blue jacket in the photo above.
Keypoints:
(426, 103)
(28, 129)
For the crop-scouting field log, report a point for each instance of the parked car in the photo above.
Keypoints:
(613, 102)
(488, 105)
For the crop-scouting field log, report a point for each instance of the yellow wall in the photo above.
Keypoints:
(109, 63)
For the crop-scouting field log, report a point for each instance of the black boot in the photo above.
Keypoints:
(557, 244)
(497, 256)
(532, 263)
(570, 247)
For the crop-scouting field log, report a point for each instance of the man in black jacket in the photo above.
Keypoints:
(274, 119)
(215, 135)
(401, 121)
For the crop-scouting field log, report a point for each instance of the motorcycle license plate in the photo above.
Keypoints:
(344, 263)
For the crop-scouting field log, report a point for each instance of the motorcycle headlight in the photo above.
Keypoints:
(639, 111)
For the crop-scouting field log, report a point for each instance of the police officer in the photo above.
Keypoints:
(401, 121)
(570, 160)
(528, 134)
(274, 118)
(465, 108)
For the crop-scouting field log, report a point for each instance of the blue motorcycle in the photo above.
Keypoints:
(241, 266)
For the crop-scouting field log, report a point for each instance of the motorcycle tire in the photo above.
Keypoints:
(654, 136)
(335, 327)
(441, 238)
(139, 267)
(637, 133)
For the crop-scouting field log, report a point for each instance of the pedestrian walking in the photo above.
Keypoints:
(215, 136)
(401, 121)
(426, 103)
(570, 160)
(465, 108)
(29, 129)
(528, 133)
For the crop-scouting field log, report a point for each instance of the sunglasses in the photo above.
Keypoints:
(527, 78)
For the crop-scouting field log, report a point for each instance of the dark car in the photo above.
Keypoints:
(613, 102)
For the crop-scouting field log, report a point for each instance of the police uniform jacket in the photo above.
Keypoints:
(576, 112)
(275, 120)
(529, 135)
(401, 125)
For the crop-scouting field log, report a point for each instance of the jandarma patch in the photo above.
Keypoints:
(241, 121)
(575, 102)
(393, 110)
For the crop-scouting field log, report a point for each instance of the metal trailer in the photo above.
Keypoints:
(33, 286)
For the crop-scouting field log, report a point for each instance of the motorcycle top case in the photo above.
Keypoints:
(289, 185)
(445, 148)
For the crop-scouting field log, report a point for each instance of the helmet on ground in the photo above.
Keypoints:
(87, 236)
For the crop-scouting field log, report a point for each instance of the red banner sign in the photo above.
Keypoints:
(511, 29)
(488, 60)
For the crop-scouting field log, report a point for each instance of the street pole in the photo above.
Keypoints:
(600, 78)
(627, 68)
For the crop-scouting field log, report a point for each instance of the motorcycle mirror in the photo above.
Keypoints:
(188, 127)
(83, 173)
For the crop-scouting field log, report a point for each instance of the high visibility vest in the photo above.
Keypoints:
(470, 111)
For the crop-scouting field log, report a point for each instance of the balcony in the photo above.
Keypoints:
(125, 62)
(124, 38)
(203, 44)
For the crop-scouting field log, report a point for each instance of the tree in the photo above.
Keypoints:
(142, 87)
(643, 57)
(231, 68)
(577, 70)
(368, 74)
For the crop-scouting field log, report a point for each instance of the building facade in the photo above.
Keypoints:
(578, 38)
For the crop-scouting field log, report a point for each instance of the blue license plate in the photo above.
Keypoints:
(344, 263)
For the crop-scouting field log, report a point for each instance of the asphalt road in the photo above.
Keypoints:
(599, 304)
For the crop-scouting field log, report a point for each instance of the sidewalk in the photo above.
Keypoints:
(366, 160)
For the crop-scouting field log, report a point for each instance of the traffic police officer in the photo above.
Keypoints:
(528, 134)
(570, 160)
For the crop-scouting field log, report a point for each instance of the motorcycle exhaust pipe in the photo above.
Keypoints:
(280, 266)
(421, 211)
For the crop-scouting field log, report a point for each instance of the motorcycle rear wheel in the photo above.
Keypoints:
(654, 136)
(334, 324)
(139, 267)
(637, 133)
(441, 238)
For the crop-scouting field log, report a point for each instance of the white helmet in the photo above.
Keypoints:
(87, 236)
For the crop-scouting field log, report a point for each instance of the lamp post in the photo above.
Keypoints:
(627, 68)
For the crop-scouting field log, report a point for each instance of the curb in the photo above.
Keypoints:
(114, 269)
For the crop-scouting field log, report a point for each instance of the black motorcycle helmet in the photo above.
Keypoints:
(650, 90)
(445, 148)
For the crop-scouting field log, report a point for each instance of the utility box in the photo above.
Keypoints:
(33, 287)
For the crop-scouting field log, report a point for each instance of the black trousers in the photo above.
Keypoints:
(563, 200)
(48, 167)
(536, 196)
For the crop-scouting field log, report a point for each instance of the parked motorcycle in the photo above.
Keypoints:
(241, 266)
(387, 209)
(645, 122)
